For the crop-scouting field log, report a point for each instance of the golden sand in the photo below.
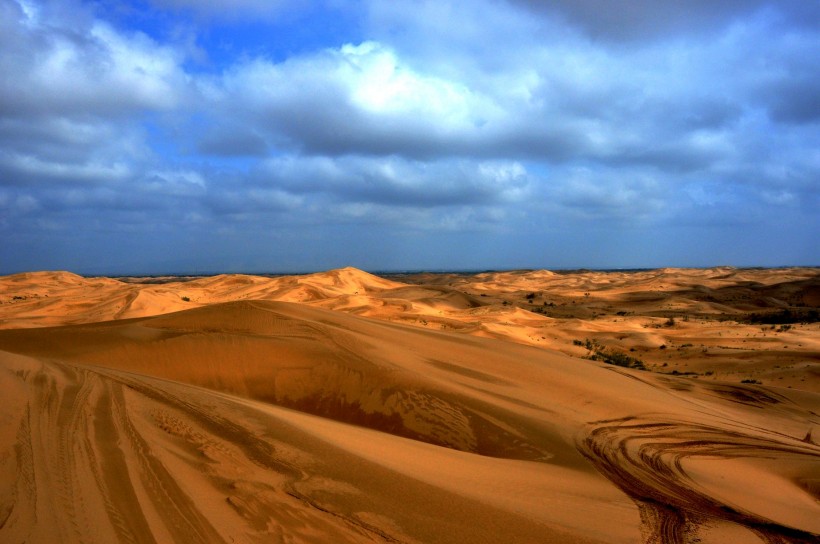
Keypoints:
(345, 407)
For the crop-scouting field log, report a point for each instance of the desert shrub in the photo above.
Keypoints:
(620, 359)
(610, 357)
(784, 317)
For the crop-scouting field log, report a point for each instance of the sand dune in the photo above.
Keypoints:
(37, 299)
(624, 311)
(687, 321)
(379, 410)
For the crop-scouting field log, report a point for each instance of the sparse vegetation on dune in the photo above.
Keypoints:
(596, 352)
(783, 317)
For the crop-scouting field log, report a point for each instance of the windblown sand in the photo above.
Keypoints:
(345, 407)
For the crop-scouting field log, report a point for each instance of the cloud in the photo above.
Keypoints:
(788, 85)
(72, 111)
(225, 140)
(19, 168)
(399, 182)
(672, 105)
(639, 20)
(522, 118)
(356, 99)
(63, 71)
(610, 195)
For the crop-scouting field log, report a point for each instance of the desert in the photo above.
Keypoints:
(669, 405)
(409, 271)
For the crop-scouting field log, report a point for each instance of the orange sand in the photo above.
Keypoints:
(344, 407)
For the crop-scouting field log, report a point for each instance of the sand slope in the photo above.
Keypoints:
(259, 421)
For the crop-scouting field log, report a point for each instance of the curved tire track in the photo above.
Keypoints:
(645, 459)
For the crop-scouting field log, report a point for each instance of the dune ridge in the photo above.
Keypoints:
(35, 299)
(702, 315)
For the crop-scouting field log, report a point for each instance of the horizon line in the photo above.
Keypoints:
(407, 271)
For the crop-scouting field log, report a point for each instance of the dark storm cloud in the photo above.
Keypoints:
(637, 20)
(790, 89)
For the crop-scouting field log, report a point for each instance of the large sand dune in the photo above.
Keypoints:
(343, 407)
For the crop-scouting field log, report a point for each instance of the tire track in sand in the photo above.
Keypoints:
(646, 459)
(87, 467)
(181, 518)
(76, 430)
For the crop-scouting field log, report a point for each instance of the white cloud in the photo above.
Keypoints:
(151, 73)
(357, 98)
(379, 83)
(72, 112)
(59, 71)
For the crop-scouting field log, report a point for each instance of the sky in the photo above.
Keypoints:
(203, 136)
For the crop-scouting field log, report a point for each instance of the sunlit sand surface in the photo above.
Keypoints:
(345, 407)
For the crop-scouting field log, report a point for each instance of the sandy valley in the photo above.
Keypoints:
(674, 405)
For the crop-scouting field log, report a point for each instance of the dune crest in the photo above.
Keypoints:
(36, 299)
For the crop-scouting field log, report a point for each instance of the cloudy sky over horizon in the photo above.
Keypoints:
(158, 136)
